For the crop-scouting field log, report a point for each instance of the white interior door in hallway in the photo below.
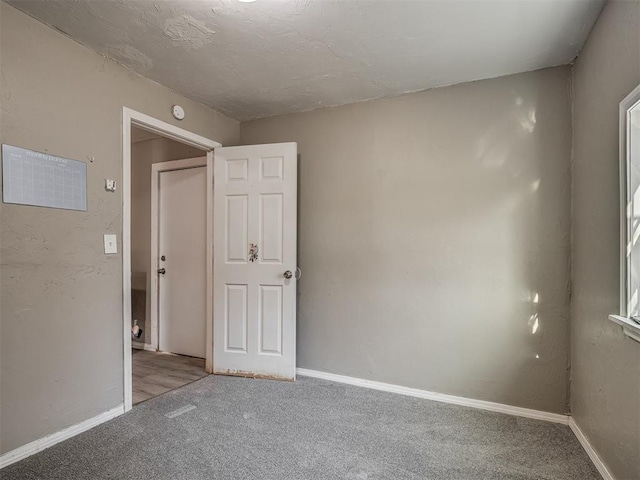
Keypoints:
(181, 262)
(254, 260)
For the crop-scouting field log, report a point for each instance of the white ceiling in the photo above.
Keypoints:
(251, 60)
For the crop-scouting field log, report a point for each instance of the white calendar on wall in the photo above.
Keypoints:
(43, 180)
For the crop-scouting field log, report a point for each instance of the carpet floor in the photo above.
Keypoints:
(235, 428)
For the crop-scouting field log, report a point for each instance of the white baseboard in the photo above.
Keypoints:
(438, 397)
(142, 346)
(593, 455)
(38, 445)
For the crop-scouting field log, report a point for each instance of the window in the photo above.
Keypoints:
(629, 317)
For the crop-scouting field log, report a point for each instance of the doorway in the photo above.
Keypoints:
(168, 258)
(251, 272)
(172, 310)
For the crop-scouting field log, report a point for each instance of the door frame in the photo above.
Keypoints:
(131, 118)
(156, 168)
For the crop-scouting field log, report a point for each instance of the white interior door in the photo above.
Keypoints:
(182, 261)
(254, 260)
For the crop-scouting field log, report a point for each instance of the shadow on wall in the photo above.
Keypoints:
(434, 233)
(535, 218)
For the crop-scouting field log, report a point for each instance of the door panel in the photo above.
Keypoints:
(271, 228)
(237, 228)
(182, 241)
(271, 319)
(236, 318)
(255, 215)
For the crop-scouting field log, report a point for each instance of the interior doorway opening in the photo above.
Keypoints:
(168, 259)
(167, 339)
(250, 308)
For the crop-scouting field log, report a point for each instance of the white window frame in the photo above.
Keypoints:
(630, 327)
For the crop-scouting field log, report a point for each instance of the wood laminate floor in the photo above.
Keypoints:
(157, 373)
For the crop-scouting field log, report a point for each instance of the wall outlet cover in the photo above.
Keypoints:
(110, 243)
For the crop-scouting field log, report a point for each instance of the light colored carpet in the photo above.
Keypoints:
(311, 429)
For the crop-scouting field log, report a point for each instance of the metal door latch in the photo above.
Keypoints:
(289, 274)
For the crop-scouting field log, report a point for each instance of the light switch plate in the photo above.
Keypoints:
(110, 243)
(109, 185)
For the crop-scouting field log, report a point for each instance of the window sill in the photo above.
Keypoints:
(630, 328)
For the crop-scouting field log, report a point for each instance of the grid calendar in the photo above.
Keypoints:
(43, 180)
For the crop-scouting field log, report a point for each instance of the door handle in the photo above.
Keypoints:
(288, 274)
(162, 271)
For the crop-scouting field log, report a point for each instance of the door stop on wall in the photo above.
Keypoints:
(136, 331)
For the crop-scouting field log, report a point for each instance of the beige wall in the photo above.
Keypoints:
(143, 155)
(605, 365)
(428, 223)
(61, 297)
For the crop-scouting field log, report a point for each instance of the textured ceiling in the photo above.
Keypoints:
(251, 60)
